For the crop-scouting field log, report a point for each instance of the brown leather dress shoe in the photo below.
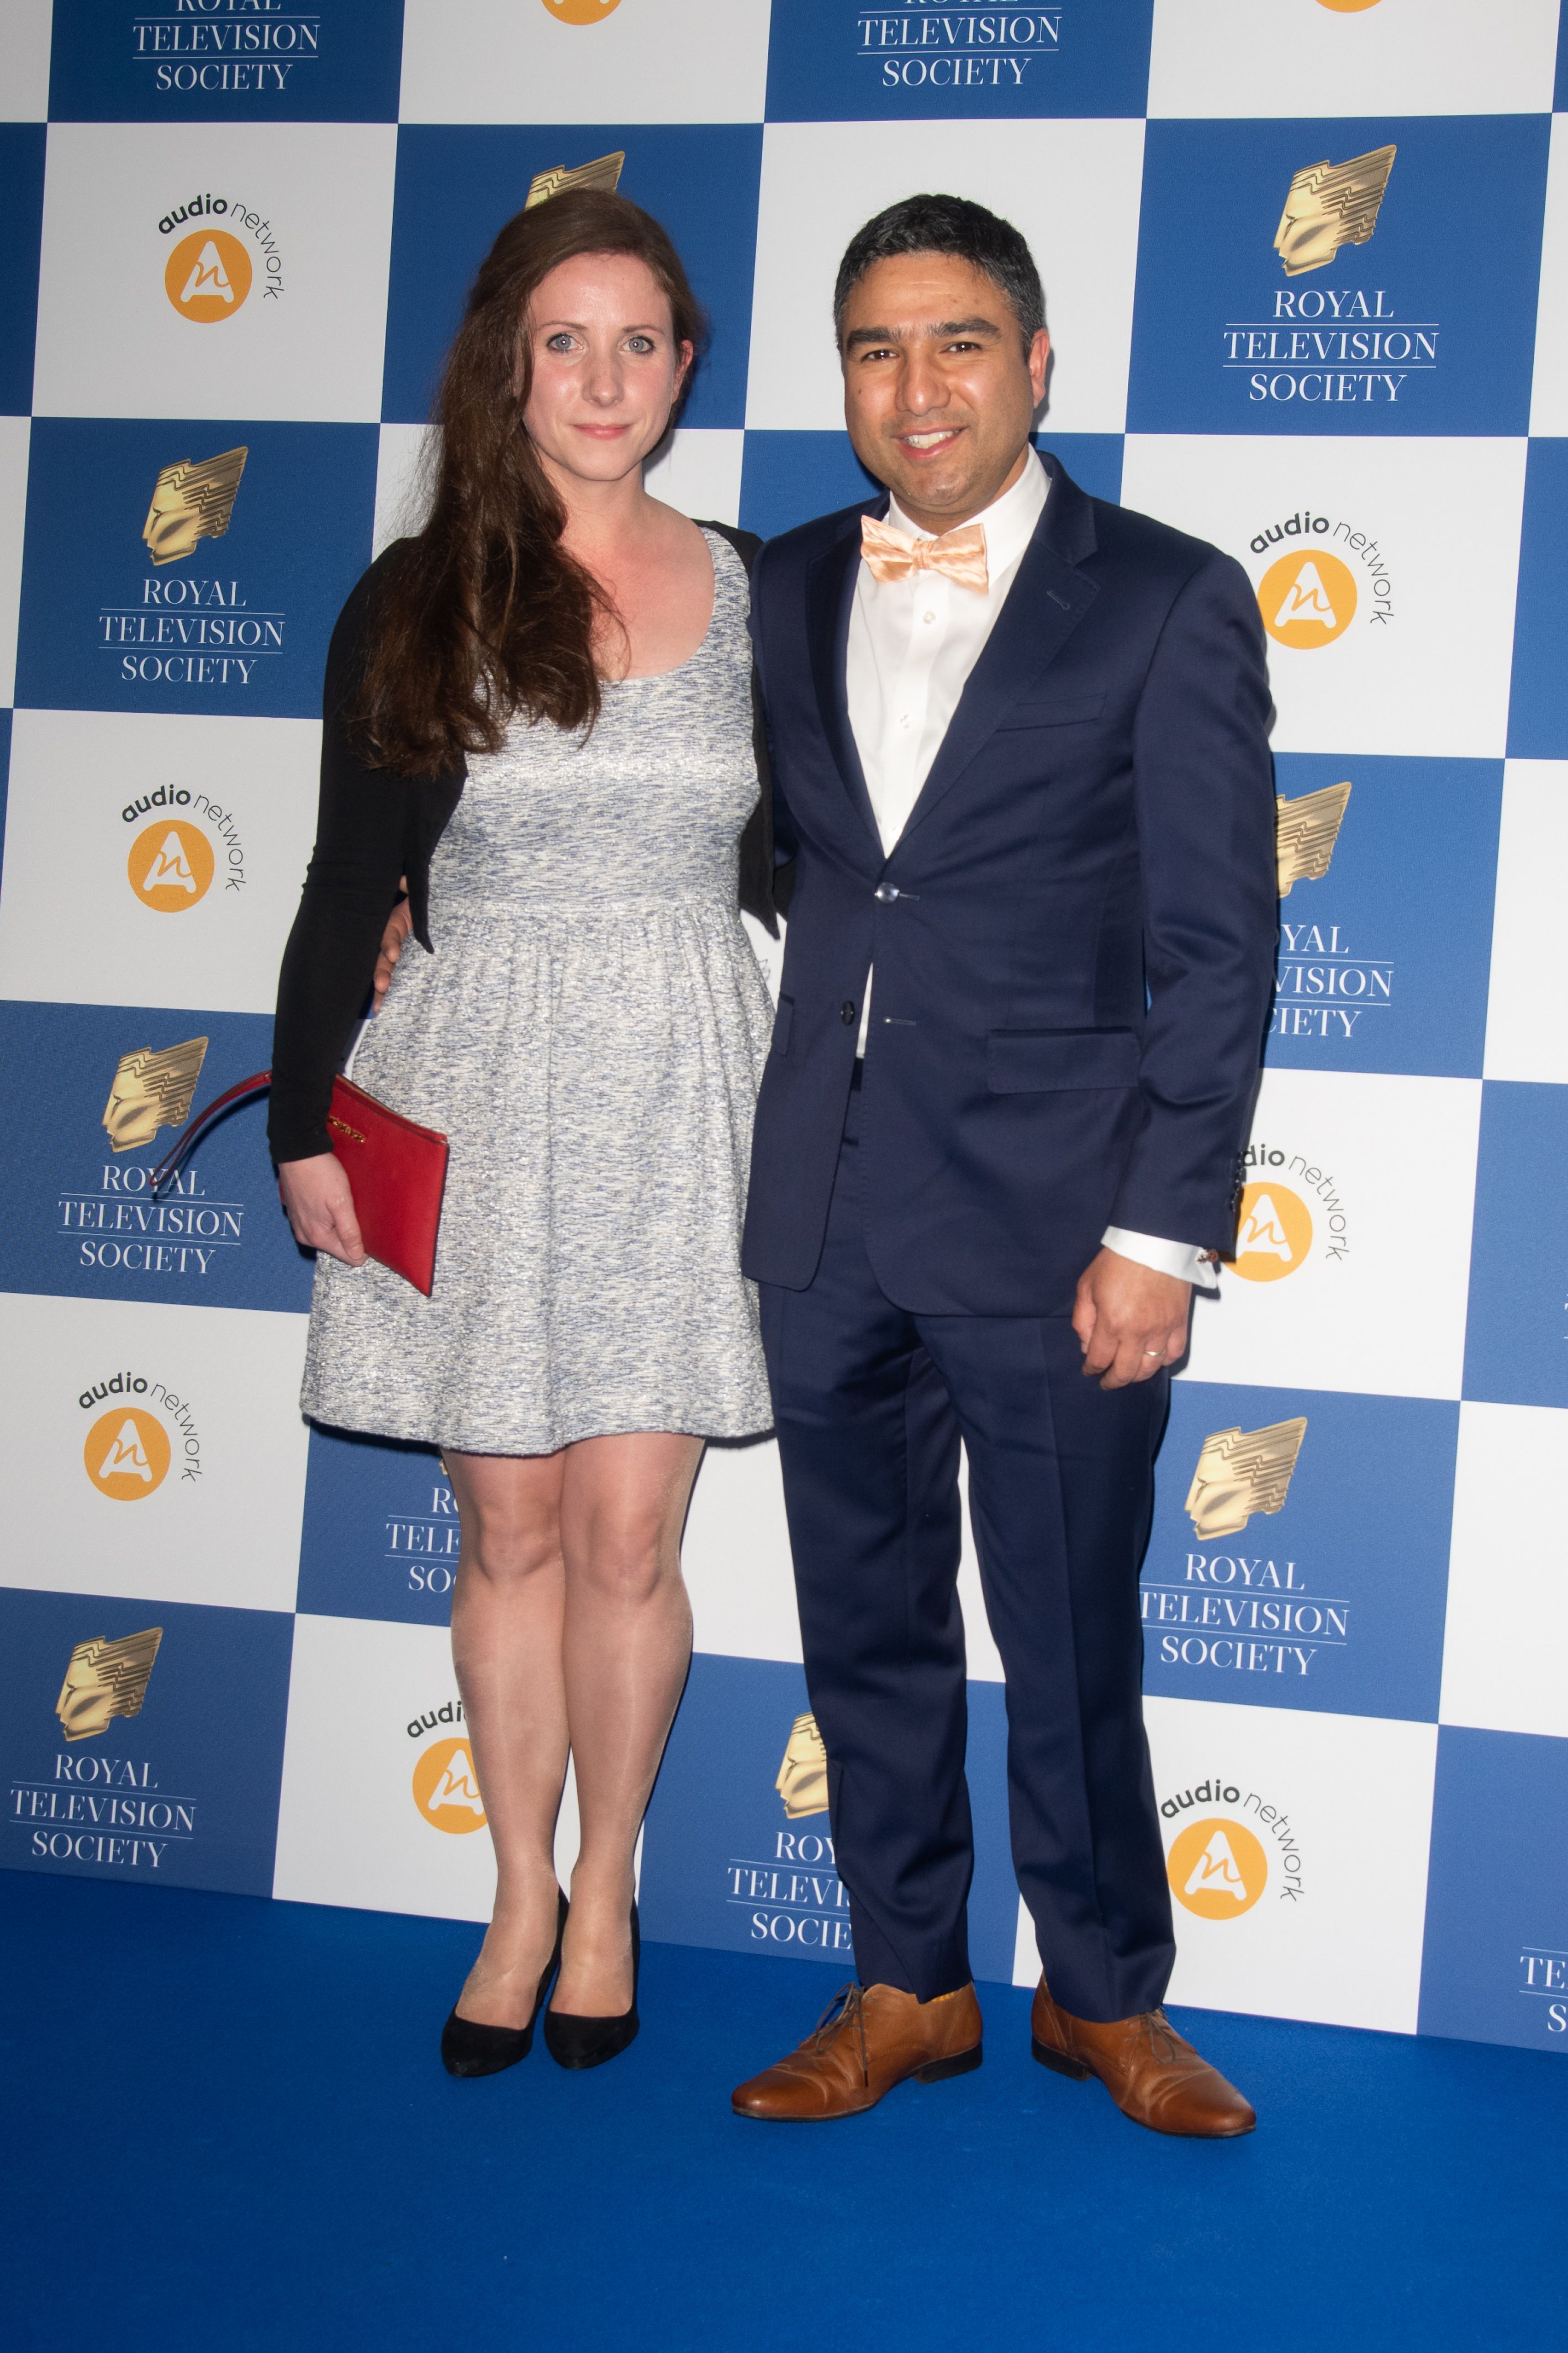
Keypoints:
(866, 2039)
(1152, 2074)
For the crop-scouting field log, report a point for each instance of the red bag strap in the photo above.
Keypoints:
(256, 1085)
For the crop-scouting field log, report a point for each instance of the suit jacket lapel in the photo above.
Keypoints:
(1048, 599)
(830, 598)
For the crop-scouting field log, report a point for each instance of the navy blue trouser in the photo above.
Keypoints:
(871, 1401)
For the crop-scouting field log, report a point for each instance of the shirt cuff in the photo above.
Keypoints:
(1182, 1260)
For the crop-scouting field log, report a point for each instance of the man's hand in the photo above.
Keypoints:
(1130, 1319)
(320, 1205)
(399, 924)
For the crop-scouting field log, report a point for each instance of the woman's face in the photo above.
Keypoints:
(607, 367)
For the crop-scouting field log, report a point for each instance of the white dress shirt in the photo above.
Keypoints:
(913, 644)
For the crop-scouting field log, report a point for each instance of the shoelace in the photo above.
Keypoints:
(1156, 2029)
(848, 2006)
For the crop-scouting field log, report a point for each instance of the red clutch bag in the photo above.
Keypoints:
(396, 1169)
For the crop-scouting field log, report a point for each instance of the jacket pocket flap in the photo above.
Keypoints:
(1020, 1060)
(1059, 712)
(783, 1021)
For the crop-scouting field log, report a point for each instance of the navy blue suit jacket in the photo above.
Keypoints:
(1073, 937)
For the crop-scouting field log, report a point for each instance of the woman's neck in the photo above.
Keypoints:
(601, 516)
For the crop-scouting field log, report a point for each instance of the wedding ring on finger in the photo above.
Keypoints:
(1153, 1352)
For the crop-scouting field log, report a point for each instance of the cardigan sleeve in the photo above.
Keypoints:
(364, 832)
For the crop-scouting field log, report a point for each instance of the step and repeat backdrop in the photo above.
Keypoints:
(1305, 262)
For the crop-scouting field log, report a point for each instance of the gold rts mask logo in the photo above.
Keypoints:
(104, 1680)
(191, 501)
(1305, 833)
(603, 173)
(802, 1781)
(152, 1090)
(1240, 1472)
(1330, 204)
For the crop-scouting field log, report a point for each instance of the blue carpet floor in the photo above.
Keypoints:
(227, 2127)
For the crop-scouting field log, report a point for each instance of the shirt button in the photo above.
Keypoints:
(904, 722)
(928, 616)
(887, 891)
(846, 1012)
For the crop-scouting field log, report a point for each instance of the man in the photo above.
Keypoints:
(1021, 760)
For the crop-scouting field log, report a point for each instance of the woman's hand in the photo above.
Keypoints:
(320, 1205)
(399, 924)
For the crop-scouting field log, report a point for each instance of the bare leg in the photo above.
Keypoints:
(570, 1629)
(507, 1616)
(626, 1649)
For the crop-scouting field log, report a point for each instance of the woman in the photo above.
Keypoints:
(540, 712)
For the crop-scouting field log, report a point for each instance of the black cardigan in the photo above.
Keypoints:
(373, 828)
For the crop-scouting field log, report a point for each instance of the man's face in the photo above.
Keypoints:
(938, 395)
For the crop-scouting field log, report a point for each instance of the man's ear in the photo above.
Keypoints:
(1040, 359)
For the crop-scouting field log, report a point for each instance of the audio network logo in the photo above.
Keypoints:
(801, 1781)
(209, 273)
(1274, 1226)
(172, 863)
(104, 1680)
(446, 1787)
(128, 1450)
(603, 173)
(1218, 1866)
(152, 1090)
(1239, 1473)
(1308, 597)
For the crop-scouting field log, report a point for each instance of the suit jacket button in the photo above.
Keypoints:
(887, 891)
(846, 1012)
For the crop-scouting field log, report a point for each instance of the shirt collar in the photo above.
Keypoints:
(1009, 521)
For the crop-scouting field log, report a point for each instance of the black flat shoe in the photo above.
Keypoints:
(468, 2048)
(589, 2041)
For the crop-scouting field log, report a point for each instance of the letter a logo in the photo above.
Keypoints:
(1273, 1233)
(207, 277)
(1306, 601)
(1217, 1869)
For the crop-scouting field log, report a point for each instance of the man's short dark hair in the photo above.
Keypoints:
(947, 225)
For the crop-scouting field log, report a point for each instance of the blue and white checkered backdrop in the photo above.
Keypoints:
(248, 226)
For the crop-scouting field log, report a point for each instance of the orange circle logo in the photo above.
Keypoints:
(447, 1789)
(1217, 1869)
(1273, 1233)
(1306, 600)
(1347, 7)
(127, 1453)
(207, 276)
(580, 12)
(171, 866)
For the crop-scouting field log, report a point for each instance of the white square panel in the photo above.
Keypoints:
(15, 434)
(24, 61)
(1505, 1651)
(699, 472)
(1526, 1037)
(1404, 586)
(821, 181)
(154, 860)
(1548, 402)
(1354, 1249)
(583, 61)
(1274, 57)
(380, 1805)
(1299, 1882)
(153, 1451)
(266, 299)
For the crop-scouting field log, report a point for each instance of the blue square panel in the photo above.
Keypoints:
(78, 1220)
(1516, 1340)
(1318, 1586)
(130, 608)
(1386, 937)
(22, 197)
(859, 61)
(1494, 1965)
(225, 61)
(1538, 705)
(143, 1740)
(789, 477)
(1427, 327)
(381, 1535)
(456, 186)
(724, 1864)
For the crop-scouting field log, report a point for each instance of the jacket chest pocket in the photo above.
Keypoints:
(1058, 711)
(783, 1021)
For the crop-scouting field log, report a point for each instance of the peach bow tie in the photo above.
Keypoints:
(893, 555)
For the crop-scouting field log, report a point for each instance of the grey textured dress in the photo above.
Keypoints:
(589, 1035)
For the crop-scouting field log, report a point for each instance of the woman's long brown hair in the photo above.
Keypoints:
(485, 616)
